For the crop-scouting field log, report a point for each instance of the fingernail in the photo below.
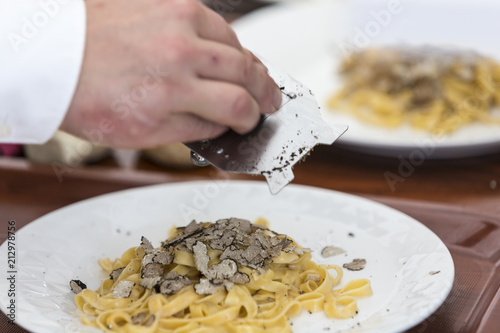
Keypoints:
(277, 98)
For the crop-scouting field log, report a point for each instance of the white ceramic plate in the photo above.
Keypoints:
(310, 39)
(400, 251)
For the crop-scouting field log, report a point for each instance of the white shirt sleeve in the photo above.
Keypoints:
(41, 52)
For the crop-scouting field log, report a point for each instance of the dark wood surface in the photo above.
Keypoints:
(457, 199)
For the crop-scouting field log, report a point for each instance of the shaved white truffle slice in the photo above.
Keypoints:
(223, 242)
(151, 270)
(355, 265)
(77, 286)
(205, 287)
(139, 319)
(146, 245)
(147, 259)
(192, 227)
(173, 283)
(162, 257)
(330, 251)
(150, 282)
(240, 278)
(150, 321)
(301, 250)
(223, 270)
(200, 257)
(312, 277)
(232, 253)
(151, 275)
(122, 289)
(115, 274)
(254, 255)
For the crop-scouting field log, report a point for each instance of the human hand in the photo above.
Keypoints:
(161, 71)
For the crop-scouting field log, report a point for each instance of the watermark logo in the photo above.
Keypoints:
(31, 26)
(11, 271)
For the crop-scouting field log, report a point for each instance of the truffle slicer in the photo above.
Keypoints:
(277, 143)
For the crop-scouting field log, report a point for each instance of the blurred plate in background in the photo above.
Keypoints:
(310, 39)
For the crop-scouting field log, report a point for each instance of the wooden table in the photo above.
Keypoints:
(457, 199)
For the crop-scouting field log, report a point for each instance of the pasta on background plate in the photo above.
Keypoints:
(227, 276)
(432, 88)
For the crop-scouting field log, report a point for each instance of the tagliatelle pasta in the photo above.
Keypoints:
(435, 89)
(228, 276)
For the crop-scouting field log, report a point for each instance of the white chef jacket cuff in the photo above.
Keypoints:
(41, 52)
